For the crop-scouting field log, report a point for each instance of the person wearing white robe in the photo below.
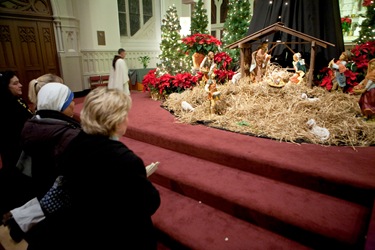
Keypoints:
(118, 76)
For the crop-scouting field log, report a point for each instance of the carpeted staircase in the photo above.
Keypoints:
(223, 190)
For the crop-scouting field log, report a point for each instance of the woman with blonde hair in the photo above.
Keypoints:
(36, 84)
(112, 200)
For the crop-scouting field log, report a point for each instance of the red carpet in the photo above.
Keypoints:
(222, 190)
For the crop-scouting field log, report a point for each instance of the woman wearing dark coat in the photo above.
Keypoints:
(14, 113)
(44, 139)
(112, 199)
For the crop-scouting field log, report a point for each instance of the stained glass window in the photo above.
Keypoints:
(133, 14)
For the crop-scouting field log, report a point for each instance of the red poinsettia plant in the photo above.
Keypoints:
(200, 43)
(346, 22)
(367, 3)
(223, 60)
(167, 84)
(223, 72)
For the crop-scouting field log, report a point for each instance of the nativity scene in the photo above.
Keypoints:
(285, 85)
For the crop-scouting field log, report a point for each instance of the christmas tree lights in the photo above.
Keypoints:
(199, 19)
(236, 25)
(172, 59)
(367, 31)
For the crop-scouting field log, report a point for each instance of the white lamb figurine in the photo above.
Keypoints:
(320, 132)
(186, 106)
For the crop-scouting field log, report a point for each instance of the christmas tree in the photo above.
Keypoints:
(236, 25)
(199, 19)
(367, 28)
(172, 59)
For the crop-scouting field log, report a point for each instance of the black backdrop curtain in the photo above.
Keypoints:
(318, 18)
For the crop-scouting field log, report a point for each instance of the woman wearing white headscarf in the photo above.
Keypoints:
(44, 139)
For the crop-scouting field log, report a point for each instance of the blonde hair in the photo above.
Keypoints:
(103, 110)
(36, 84)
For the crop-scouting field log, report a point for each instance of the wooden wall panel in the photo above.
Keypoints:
(27, 40)
(8, 57)
(31, 54)
(27, 36)
(48, 47)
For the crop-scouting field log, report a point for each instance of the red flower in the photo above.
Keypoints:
(200, 43)
(363, 53)
(367, 3)
(327, 79)
(222, 60)
(222, 76)
(184, 81)
(167, 84)
(346, 22)
(149, 81)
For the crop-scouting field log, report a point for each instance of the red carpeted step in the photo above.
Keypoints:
(344, 172)
(201, 227)
(227, 176)
(287, 209)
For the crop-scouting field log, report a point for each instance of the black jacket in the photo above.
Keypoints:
(13, 186)
(112, 199)
(44, 138)
(14, 113)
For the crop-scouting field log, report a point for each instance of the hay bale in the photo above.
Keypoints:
(278, 113)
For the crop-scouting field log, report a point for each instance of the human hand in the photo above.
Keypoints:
(6, 217)
(15, 231)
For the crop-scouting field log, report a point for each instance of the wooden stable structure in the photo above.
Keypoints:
(245, 45)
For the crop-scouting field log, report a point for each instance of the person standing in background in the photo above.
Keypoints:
(118, 76)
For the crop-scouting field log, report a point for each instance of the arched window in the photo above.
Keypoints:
(133, 14)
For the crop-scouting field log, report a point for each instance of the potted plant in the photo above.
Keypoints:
(198, 45)
(144, 60)
(346, 22)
